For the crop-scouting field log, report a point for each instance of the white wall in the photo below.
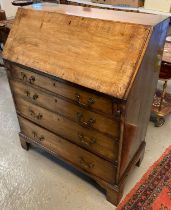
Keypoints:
(8, 7)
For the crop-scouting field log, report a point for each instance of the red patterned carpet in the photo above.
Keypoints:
(153, 191)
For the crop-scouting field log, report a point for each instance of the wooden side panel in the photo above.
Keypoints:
(140, 99)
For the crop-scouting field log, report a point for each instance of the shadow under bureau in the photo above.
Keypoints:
(83, 82)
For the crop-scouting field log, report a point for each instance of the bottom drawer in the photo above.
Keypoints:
(68, 151)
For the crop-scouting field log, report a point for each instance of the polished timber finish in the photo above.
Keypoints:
(92, 117)
(96, 142)
(114, 54)
(47, 183)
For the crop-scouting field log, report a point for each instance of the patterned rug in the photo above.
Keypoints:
(153, 191)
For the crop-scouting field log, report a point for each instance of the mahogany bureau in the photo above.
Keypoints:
(83, 82)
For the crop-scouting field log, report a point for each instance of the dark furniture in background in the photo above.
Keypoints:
(162, 100)
(3, 32)
(28, 2)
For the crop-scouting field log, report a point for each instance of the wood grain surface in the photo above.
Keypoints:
(103, 14)
(98, 54)
(68, 151)
(69, 69)
(69, 129)
(69, 110)
(100, 103)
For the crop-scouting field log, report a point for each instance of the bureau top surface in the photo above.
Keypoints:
(95, 48)
(103, 14)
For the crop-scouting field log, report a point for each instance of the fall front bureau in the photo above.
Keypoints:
(83, 83)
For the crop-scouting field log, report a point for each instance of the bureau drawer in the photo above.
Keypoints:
(83, 98)
(68, 151)
(82, 116)
(92, 140)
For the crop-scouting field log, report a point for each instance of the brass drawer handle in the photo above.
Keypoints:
(86, 140)
(88, 124)
(34, 115)
(54, 84)
(32, 79)
(35, 135)
(28, 94)
(35, 97)
(87, 105)
(85, 164)
(24, 77)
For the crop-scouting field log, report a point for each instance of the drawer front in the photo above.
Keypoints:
(82, 116)
(81, 97)
(87, 138)
(68, 151)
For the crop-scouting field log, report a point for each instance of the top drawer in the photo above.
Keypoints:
(82, 97)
